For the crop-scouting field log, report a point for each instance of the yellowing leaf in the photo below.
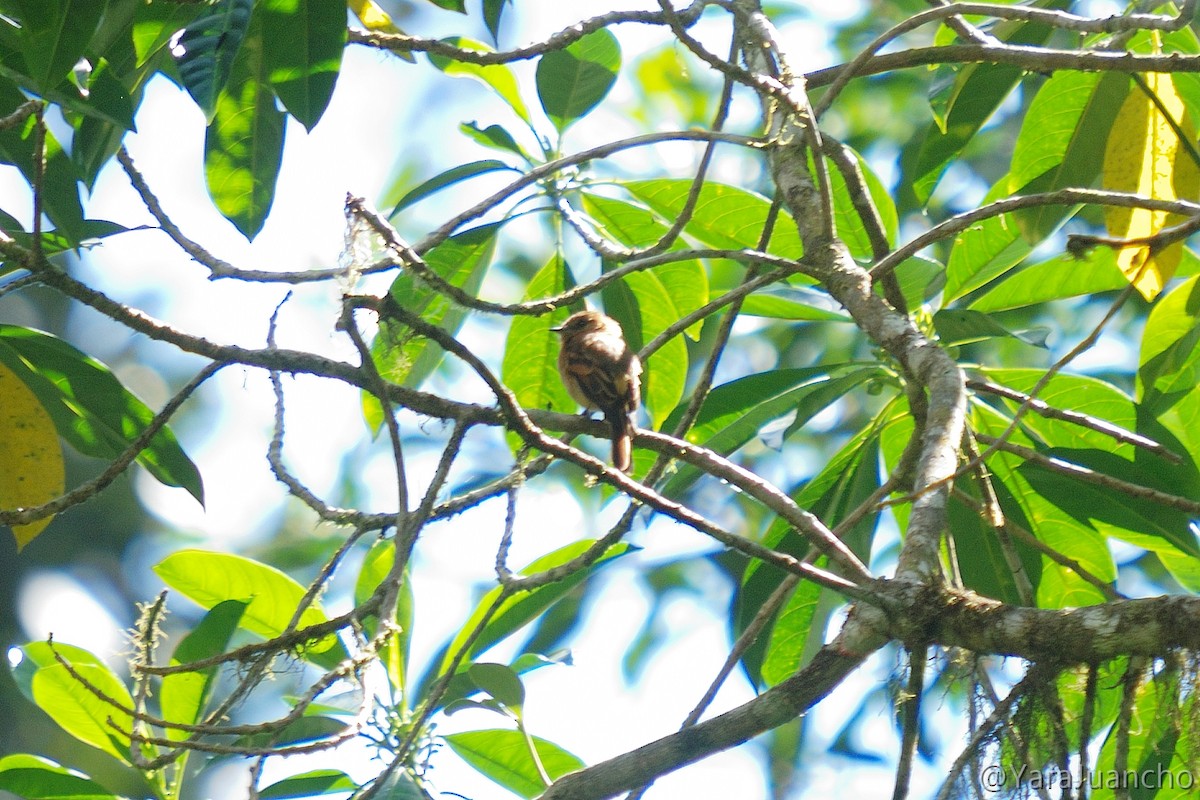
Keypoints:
(372, 16)
(31, 460)
(1145, 155)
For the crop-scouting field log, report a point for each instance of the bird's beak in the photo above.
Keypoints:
(557, 329)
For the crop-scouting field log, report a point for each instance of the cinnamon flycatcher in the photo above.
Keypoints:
(602, 373)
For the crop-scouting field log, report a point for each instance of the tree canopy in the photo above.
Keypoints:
(917, 315)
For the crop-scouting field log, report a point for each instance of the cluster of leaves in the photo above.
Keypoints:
(978, 288)
(979, 285)
(237, 58)
(93, 61)
(246, 600)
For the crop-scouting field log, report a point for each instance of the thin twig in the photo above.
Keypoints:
(1062, 467)
(910, 713)
(1058, 19)
(960, 222)
(1106, 588)
(1043, 409)
(89, 489)
(402, 43)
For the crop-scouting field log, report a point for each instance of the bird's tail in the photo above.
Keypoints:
(622, 439)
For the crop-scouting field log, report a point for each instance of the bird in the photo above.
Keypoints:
(600, 372)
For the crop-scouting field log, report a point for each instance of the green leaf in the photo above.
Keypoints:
(1162, 530)
(686, 282)
(495, 137)
(959, 326)
(1152, 744)
(725, 217)
(529, 367)
(184, 695)
(108, 93)
(1181, 420)
(1051, 125)
(993, 246)
(850, 227)
(1059, 587)
(498, 77)
(493, 10)
(54, 242)
(489, 704)
(303, 42)
(1110, 686)
(74, 707)
(1141, 522)
(664, 79)
(36, 778)
(503, 756)
(209, 45)
(272, 597)
(243, 146)
(796, 299)
(734, 413)
(97, 140)
(977, 92)
(91, 409)
(789, 303)
(984, 251)
(1169, 362)
(305, 729)
(798, 628)
(981, 558)
(1086, 395)
(60, 183)
(919, 278)
(309, 784)
(664, 373)
(573, 81)
(1061, 142)
(53, 35)
(451, 5)
(1057, 278)
(461, 686)
(500, 681)
(519, 610)
(402, 785)
(789, 635)
(154, 24)
(394, 654)
(462, 260)
(448, 178)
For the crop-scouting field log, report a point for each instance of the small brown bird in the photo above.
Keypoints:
(602, 373)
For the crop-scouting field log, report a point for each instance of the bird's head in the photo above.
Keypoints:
(587, 322)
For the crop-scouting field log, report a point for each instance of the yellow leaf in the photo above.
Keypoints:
(376, 19)
(31, 459)
(1144, 155)
(372, 16)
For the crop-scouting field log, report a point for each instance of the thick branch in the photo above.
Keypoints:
(848, 283)
(1152, 626)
